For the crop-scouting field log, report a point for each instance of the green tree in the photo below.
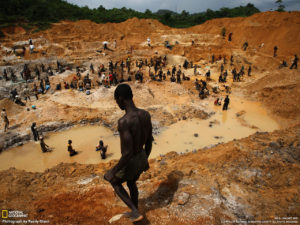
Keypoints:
(185, 13)
(167, 16)
(281, 7)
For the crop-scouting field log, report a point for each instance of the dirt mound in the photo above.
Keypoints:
(10, 106)
(142, 26)
(280, 92)
(271, 28)
(90, 31)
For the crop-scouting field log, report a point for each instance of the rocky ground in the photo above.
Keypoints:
(255, 178)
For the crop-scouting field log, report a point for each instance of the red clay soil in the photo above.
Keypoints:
(271, 28)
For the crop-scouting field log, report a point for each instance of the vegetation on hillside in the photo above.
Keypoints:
(41, 13)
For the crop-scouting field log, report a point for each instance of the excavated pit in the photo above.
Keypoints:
(217, 173)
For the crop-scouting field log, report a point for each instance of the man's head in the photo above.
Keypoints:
(122, 93)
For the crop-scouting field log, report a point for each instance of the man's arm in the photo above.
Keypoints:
(148, 144)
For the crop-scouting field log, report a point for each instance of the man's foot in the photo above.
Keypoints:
(134, 216)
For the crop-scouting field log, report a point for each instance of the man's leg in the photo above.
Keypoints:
(6, 125)
(134, 215)
(36, 136)
(134, 193)
(122, 193)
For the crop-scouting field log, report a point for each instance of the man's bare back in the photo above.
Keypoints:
(138, 123)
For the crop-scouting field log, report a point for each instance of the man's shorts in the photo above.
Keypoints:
(137, 164)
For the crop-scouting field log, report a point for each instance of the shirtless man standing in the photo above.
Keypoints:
(135, 130)
(5, 119)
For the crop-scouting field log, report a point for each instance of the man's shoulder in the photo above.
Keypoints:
(133, 118)
(124, 122)
(143, 112)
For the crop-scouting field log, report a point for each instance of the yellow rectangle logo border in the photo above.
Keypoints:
(4, 214)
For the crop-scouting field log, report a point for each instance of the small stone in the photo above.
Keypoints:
(183, 198)
(184, 118)
(196, 135)
(115, 218)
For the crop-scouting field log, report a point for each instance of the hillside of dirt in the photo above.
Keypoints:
(280, 92)
(255, 178)
(66, 38)
(270, 28)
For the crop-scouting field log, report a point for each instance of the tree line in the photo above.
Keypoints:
(39, 14)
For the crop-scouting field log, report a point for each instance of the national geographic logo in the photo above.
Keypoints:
(4, 214)
(13, 214)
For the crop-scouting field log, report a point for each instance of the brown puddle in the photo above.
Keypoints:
(179, 137)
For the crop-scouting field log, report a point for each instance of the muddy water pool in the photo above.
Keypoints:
(241, 120)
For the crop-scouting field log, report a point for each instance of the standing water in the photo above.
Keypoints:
(241, 120)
